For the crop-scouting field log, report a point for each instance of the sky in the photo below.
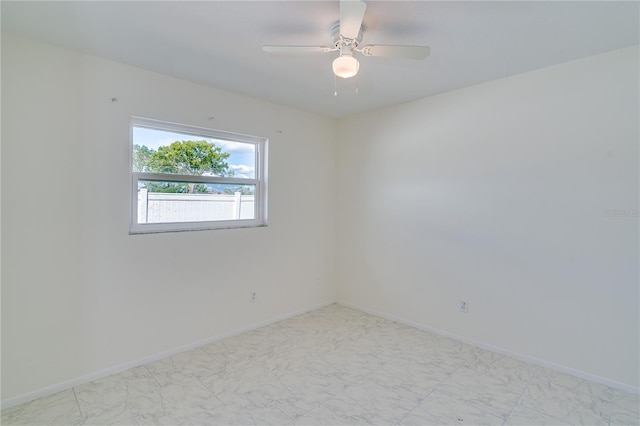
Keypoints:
(242, 156)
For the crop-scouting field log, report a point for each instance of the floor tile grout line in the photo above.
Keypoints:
(155, 379)
(463, 402)
(417, 405)
(506, 419)
(291, 420)
(73, 389)
(611, 407)
(208, 390)
(536, 410)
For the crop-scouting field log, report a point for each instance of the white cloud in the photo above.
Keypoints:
(243, 171)
(235, 147)
(154, 139)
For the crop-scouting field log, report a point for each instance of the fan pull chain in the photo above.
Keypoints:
(335, 85)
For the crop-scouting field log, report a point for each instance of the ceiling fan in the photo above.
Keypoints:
(347, 37)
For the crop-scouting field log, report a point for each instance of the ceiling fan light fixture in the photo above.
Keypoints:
(345, 66)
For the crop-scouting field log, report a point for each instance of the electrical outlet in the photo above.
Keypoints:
(463, 306)
(252, 298)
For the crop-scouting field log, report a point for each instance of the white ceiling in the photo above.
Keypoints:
(218, 43)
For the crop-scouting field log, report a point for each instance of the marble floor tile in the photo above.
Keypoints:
(313, 384)
(625, 409)
(502, 367)
(498, 403)
(622, 418)
(320, 416)
(162, 417)
(494, 394)
(57, 409)
(439, 408)
(419, 417)
(383, 401)
(276, 394)
(193, 363)
(119, 415)
(186, 394)
(334, 366)
(523, 416)
(132, 387)
(240, 410)
(568, 401)
(627, 401)
(573, 384)
(258, 342)
(351, 412)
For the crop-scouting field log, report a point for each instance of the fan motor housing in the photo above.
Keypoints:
(337, 38)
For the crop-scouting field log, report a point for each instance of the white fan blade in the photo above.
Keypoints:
(351, 16)
(297, 49)
(406, 52)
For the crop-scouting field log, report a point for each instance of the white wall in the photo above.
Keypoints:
(76, 296)
(496, 194)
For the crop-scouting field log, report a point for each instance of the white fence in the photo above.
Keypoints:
(156, 207)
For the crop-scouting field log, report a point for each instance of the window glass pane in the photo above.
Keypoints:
(161, 151)
(165, 202)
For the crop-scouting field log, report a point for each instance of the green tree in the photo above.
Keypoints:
(190, 158)
(194, 158)
(244, 190)
(141, 157)
(176, 187)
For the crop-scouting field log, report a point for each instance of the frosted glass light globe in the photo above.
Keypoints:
(346, 66)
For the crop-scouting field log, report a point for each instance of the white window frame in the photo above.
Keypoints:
(260, 180)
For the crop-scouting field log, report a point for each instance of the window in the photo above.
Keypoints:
(187, 178)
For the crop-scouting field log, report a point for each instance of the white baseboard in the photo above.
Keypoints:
(68, 384)
(522, 357)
